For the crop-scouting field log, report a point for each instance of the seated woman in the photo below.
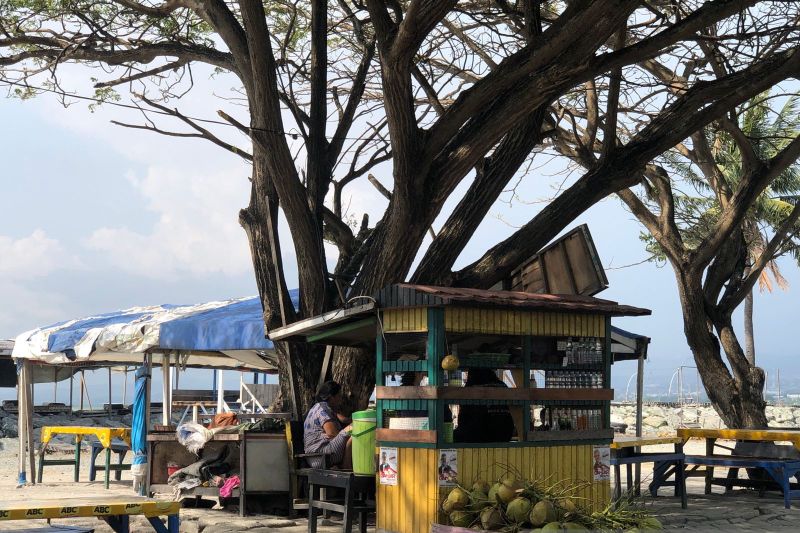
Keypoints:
(483, 423)
(323, 431)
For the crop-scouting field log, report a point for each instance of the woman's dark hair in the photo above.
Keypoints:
(328, 389)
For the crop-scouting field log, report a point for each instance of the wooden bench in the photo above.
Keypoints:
(356, 491)
(779, 470)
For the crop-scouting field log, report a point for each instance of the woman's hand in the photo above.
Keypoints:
(348, 429)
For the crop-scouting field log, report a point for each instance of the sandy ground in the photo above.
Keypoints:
(740, 510)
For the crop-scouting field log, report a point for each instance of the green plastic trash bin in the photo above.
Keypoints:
(364, 442)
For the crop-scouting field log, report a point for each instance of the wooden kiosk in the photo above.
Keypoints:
(557, 349)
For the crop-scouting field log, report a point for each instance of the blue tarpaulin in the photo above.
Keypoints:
(139, 426)
(233, 328)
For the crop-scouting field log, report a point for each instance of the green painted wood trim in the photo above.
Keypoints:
(380, 348)
(436, 352)
(341, 329)
(526, 382)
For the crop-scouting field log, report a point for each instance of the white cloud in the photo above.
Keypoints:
(197, 230)
(32, 256)
(23, 262)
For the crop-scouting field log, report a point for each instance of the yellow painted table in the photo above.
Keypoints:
(755, 435)
(626, 450)
(104, 435)
(623, 441)
(781, 470)
(115, 511)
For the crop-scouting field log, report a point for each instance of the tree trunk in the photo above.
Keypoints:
(738, 400)
(749, 340)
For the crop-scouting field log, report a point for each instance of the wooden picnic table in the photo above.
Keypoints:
(780, 469)
(104, 435)
(626, 450)
(115, 511)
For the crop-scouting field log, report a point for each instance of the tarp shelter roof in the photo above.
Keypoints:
(222, 334)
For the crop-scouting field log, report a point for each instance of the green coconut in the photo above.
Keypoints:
(542, 513)
(518, 510)
(632, 530)
(573, 526)
(567, 504)
(650, 523)
(459, 497)
(481, 485)
(492, 519)
(461, 518)
(552, 526)
(512, 482)
(492, 496)
(448, 506)
(478, 500)
(506, 493)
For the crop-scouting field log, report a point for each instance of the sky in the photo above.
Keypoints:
(95, 217)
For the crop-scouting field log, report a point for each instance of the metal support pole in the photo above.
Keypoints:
(109, 391)
(165, 390)
(71, 387)
(220, 392)
(55, 384)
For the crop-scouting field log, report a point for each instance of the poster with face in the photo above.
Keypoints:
(601, 463)
(387, 466)
(448, 468)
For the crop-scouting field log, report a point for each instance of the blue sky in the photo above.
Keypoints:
(95, 218)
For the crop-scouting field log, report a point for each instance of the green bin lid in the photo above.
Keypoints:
(369, 414)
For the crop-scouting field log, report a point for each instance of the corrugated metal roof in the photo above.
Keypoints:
(409, 295)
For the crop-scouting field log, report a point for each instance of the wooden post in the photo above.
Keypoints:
(71, 387)
(82, 385)
(29, 383)
(145, 491)
(124, 385)
(22, 426)
(639, 410)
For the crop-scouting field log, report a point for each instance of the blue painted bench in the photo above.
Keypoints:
(664, 465)
(118, 447)
(779, 470)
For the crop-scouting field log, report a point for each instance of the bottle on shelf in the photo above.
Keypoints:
(568, 352)
(598, 351)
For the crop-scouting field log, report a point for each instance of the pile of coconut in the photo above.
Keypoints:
(516, 505)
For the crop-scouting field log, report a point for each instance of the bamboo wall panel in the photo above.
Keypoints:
(511, 322)
(409, 319)
(413, 504)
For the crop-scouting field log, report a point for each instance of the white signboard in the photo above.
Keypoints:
(448, 468)
(387, 466)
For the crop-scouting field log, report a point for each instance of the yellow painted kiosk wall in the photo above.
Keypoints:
(413, 504)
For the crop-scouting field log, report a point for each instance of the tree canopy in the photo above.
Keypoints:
(442, 91)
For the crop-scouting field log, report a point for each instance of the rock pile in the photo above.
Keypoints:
(665, 418)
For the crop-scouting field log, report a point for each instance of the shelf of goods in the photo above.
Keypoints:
(412, 351)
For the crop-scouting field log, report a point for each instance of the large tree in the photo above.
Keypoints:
(447, 90)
